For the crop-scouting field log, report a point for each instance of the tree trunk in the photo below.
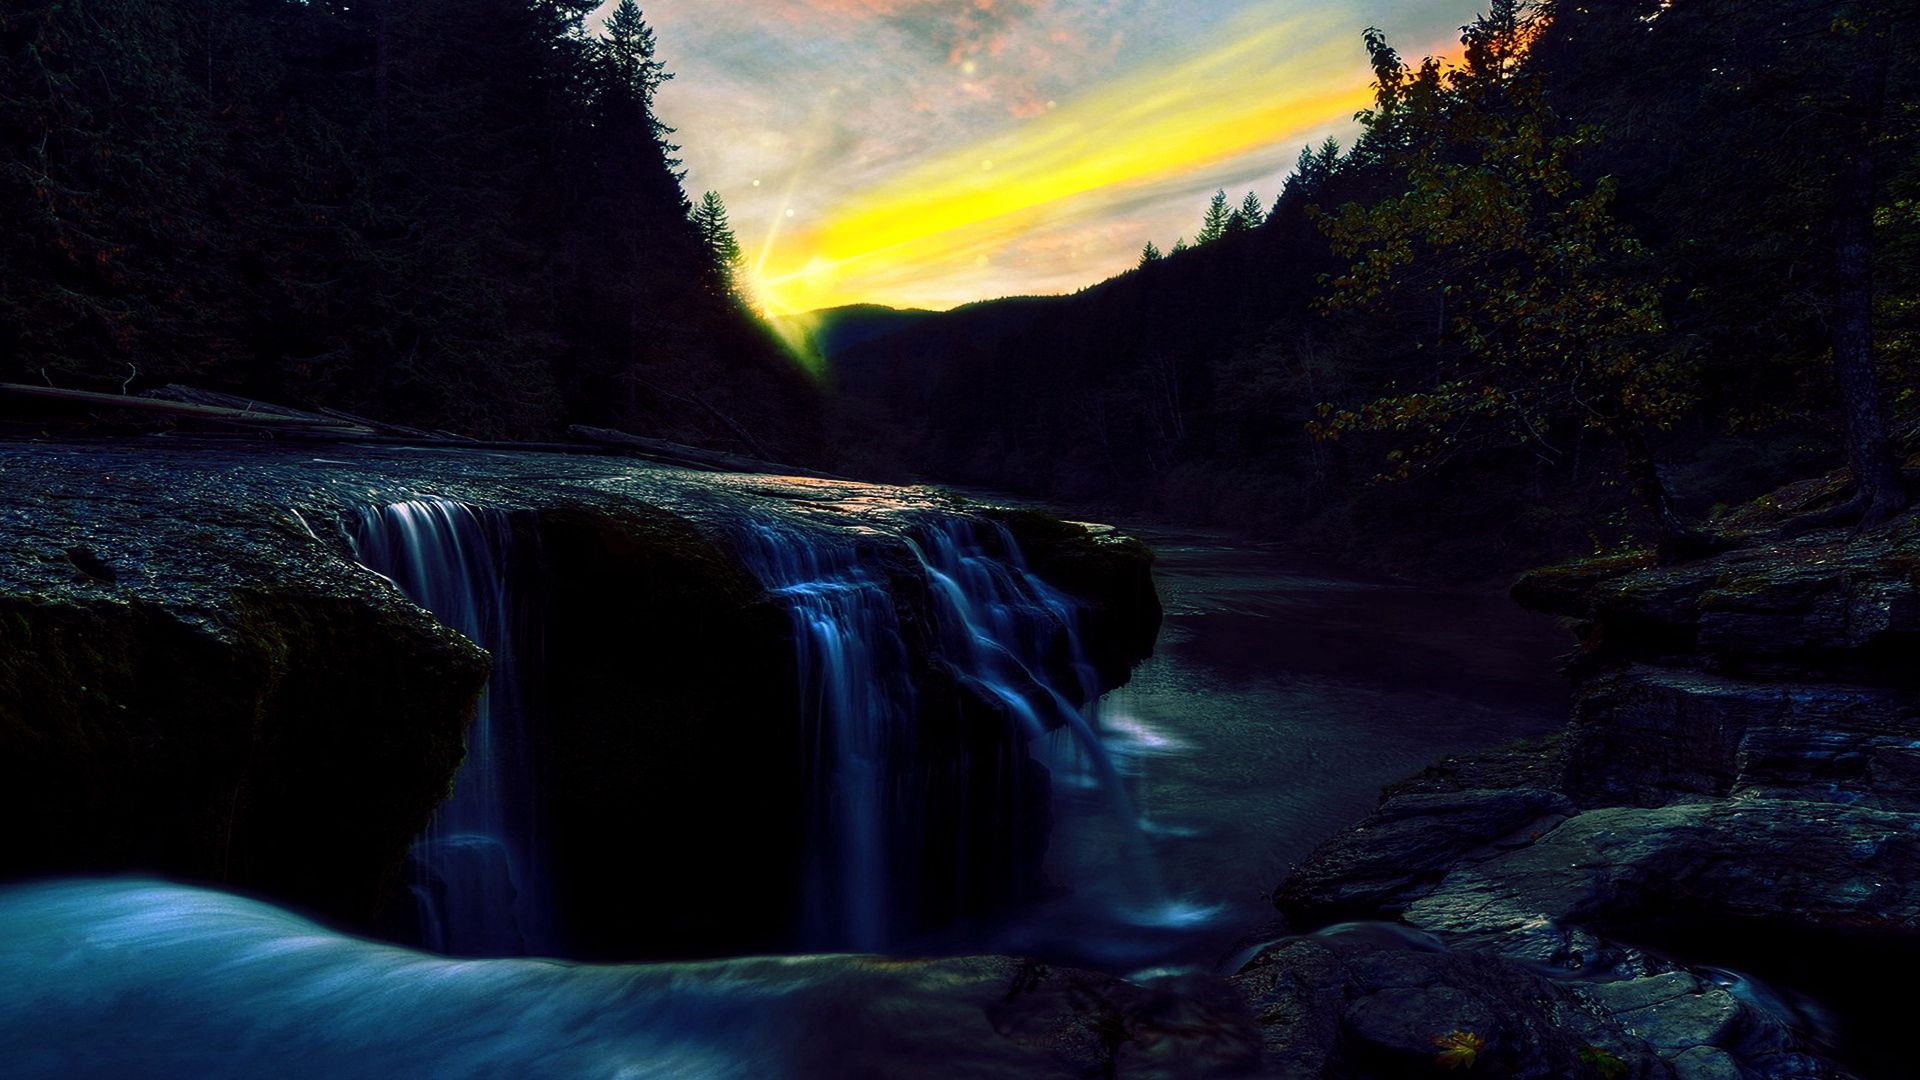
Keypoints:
(1678, 541)
(1870, 453)
(1648, 484)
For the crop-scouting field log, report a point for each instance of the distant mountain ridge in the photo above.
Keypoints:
(827, 332)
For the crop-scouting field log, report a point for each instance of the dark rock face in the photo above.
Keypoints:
(1359, 1004)
(1823, 608)
(1741, 772)
(669, 708)
(1411, 843)
(212, 689)
(1649, 736)
(279, 738)
(1112, 572)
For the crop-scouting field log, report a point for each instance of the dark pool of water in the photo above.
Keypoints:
(1279, 701)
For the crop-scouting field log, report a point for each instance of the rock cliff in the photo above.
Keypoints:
(198, 680)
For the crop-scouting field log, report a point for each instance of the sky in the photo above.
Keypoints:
(929, 153)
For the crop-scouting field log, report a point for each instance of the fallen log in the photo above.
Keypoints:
(320, 414)
(681, 454)
(224, 414)
(231, 411)
(193, 395)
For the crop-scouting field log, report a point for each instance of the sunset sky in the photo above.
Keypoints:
(927, 153)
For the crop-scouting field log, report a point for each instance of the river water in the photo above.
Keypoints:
(1281, 697)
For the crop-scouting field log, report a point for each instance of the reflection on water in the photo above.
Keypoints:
(1278, 703)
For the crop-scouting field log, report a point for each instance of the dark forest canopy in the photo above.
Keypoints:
(454, 214)
(1654, 247)
(1606, 252)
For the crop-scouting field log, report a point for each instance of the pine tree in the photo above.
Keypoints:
(628, 51)
(1180, 245)
(1217, 219)
(710, 217)
(1314, 171)
(1150, 254)
(1252, 213)
(1246, 216)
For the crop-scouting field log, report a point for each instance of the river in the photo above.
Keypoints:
(1282, 696)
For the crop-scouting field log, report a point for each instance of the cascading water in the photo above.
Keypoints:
(1020, 633)
(908, 827)
(1005, 633)
(858, 703)
(478, 875)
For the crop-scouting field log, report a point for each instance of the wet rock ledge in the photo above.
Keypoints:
(197, 680)
(1738, 790)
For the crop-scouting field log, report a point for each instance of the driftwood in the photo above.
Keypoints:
(739, 432)
(321, 415)
(193, 395)
(231, 411)
(250, 416)
(693, 457)
(385, 428)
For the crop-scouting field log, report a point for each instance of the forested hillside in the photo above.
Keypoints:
(1598, 267)
(458, 215)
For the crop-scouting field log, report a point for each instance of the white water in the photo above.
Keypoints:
(1008, 634)
(478, 878)
(137, 980)
(857, 706)
(1027, 651)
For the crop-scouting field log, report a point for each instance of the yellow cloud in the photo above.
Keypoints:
(925, 231)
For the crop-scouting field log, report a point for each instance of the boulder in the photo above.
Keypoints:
(1350, 1003)
(1408, 845)
(1739, 785)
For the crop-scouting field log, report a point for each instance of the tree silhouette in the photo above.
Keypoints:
(1150, 254)
(628, 52)
(1217, 220)
(440, 213)
(710, 217)
(1252, 213)
(1316, 169)
(1547, 322)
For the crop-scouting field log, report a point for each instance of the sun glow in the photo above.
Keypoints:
(932, 235)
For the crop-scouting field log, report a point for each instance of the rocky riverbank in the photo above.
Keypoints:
(1739, 790)
(198, 680)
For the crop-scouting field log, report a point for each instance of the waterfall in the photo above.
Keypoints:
(1002, 631)
(923, 809)
(857, 706)
(477, 875)
(1023, 638)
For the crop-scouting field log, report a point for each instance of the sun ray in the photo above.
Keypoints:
(1266, 86)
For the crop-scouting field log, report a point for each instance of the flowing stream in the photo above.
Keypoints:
(1011, 637)
(1279, 701)
(477, 875)
(1281, 697)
